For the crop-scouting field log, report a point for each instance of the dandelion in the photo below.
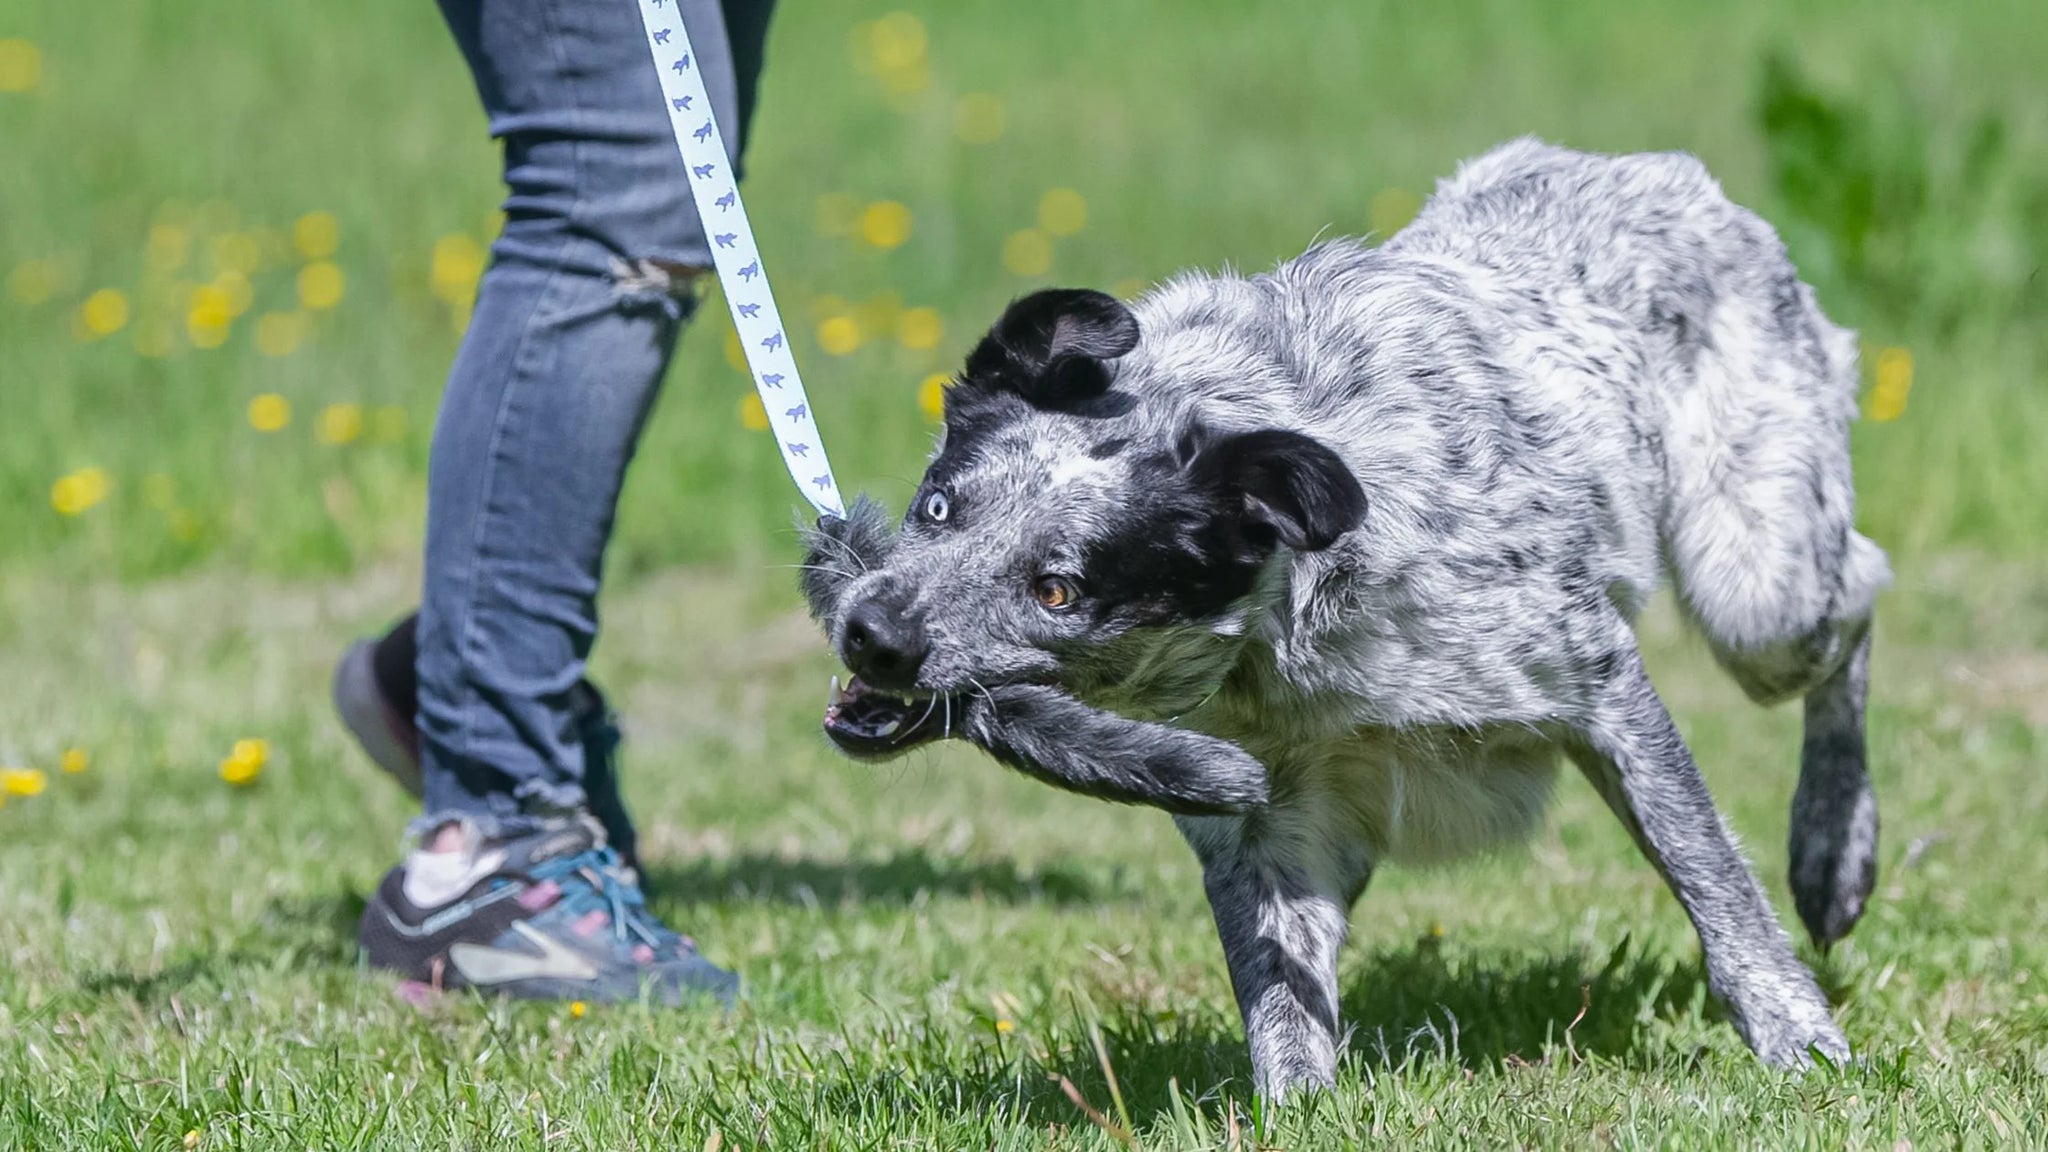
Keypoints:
(191, 1139)
(978, 118)
(576, 1009)
(235, 252)
(213, 310)
(269, 412)
(1894, 384)
(104, 313)
(165, 250)
(1006, 1026)
(753, 413)
(1028, 252)
(32, 282)
(21, 66)
(1392, 209)
(78, 492)
(931, 396)
(885, 224)
(280, 333)
(1062, 212)
(735, 354)
(920, 329)
(892, 43)
(458, 264)
(245, 762)
(340, 424)
(389, 423)
(839, 335)
(321, 285)
(23, 781)
(836, 214)
(74, 761)
(317, 235)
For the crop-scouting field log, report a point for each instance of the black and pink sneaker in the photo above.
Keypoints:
(547, 915)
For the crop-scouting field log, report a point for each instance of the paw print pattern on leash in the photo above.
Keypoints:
(738, 258)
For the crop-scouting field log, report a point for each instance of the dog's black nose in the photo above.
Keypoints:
(882, 646)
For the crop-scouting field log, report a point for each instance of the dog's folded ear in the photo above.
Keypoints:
(1277, 487)
(1053, 347)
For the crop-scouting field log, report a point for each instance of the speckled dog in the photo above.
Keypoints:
(1334, 562)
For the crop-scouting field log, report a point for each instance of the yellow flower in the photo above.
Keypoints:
(340, 424)
(74, 761)
(390, 423)
(192, 1139)
(279, 333)
(753, 414)
(1028, 253)
(23, 781)
(1894, 384)
(978, 118)
(837, 214)
(21, 66)
(920, 328)
(839, 335)
(735, 354)
(213, 310)
(79, 491)
(32, 282)
(317, 235)
(576, 1009)
(269, 412)
(1392, 209)
(245, 761)
(457, 266)
(894, 42)
(885, 224)
(1062, 212)
(104, 313)
(166, 248)
(236, 252)
(321, 285)
(931, 395)
(1006, 1025)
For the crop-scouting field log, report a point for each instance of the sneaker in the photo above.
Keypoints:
(376, 695)
(550, 915)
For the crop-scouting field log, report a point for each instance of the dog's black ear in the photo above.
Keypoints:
(1278, 487)
(1052, 347)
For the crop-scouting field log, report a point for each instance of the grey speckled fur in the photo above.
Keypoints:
(1572, 378)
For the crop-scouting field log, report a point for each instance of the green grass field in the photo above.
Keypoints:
(238, 241)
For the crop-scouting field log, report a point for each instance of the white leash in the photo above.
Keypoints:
(737, 257)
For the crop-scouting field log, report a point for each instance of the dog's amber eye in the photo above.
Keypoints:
(1055, 592)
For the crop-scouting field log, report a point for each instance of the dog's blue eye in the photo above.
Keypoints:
(937, 507)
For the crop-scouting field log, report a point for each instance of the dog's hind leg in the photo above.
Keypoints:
(1634, 756)
(1834, 811)
(1281, 889)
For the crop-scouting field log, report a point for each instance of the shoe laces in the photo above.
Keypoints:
(594, 880)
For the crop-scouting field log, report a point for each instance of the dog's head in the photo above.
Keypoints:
(1080, 526)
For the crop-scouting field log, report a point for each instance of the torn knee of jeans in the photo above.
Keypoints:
(650, 280)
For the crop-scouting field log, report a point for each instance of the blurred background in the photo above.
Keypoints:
(240, 241)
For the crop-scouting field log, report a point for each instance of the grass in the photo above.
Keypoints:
(931, 946)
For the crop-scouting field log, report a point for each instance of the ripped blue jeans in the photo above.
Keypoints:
(589, 285)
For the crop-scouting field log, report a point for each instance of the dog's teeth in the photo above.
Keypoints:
(889, 729)
(835, 697)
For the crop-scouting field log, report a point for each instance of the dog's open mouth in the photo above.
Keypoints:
(870, 723)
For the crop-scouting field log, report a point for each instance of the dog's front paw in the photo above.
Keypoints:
(1789, 1037)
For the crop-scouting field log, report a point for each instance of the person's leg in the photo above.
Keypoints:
(573, 326)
